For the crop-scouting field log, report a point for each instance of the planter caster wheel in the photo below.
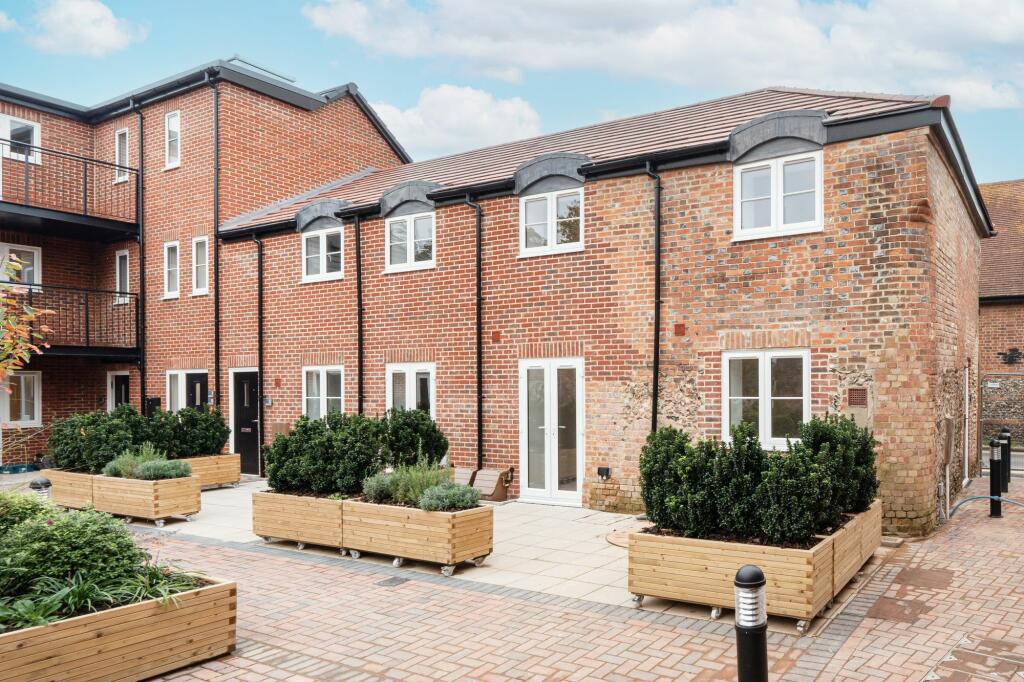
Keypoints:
(190, 518)
(354, 553)
(801, 626)
(716, 612)
(266, 538)
(448, 571)
(638, 600)
(479, 561)
(128, 519)
(159, 523)
(300, 545)
(397, 562)
(235, 484)
(343, 551)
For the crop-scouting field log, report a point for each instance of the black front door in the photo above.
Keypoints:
(245, 425)
(119, 386)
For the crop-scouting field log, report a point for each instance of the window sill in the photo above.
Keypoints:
(201, 292)
(424, 265)
(172, 167)
(550, 251)
(21, 425)
(121, 181)
(322, 278)
(737, 236)
(171, 297)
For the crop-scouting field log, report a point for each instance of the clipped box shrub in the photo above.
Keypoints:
(411, 436)
(86, 442)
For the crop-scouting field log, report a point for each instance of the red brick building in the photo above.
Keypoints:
(766, 256)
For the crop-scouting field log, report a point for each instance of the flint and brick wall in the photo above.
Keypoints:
(1002, 369)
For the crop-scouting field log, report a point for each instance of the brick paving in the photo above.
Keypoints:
(947, 608)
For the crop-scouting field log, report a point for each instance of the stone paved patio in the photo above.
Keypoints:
(947, 608)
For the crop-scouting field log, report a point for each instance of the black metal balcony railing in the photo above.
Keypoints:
(46, 178)
(86, 318)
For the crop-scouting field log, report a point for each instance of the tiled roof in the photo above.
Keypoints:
(680, 128)
(1002, 256)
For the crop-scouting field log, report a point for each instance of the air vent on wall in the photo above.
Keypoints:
(857, 397)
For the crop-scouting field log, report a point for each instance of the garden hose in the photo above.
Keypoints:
(983, 497)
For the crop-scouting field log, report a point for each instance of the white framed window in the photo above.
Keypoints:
(322, 255)
(323, 390)
(200, 266)
(770, 389)
(22, 402)
(121, 155)
(551, 223)
(31, 258)
(172, 139)
(172, 285)
(410, 243)
(187, 388)
(25, 138)
(121, 279)
(778, 197)
(410, 386)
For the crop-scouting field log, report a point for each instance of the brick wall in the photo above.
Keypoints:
(1002, 369)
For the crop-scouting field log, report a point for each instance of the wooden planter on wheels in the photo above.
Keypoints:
(216, 470)
(153, 500)
(801, 582)
(69, 489)
(301, 519)
(130, 642)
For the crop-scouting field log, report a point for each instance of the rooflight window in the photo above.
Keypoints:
(778, 197)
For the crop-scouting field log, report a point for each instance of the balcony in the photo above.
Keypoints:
(51, 192)
(88, 322)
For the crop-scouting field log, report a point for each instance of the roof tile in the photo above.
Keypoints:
(1002, 256)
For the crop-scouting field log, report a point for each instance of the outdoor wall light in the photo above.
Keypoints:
(604, 473)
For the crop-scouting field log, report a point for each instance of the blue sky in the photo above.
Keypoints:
(457, 74)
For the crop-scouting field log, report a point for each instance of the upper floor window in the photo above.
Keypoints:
(121, 155)
(24, 138)
(200, 267)
(121, 276)
(410, 386)
(30, 260)
(172, 139)
(21, 403)
(322, 255)
(171, 279)
(323, 390)
(551, 223)
(778, 196)
(410, 242)
(769, 389)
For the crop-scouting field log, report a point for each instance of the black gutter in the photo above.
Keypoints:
(259, 343)
(258, 230)
(216, 242)
(1002, 298)
(140, 207)
(360, 352)
(656, 350)
(482, 190)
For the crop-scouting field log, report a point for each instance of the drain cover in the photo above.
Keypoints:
(392, 582)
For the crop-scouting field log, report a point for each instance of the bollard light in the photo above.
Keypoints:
(40, 486)
(751, 625)
(1007, 458)
(995, 471)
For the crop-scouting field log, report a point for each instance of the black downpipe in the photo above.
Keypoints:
(656, 352)
(216, 249)
(259, 343)
(360, 354)
(468, 201)
(140, 323)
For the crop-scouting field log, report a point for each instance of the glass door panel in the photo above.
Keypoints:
(551, 430)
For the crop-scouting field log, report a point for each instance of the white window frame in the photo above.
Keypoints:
(168, 294)
(199, 291)
(121, 300)
(121, 174)
(323, 370)
(168, 162)
(5, 254)
(322, 234)
(552, 218)
(182, 396)
(410, 248)
(410, 369)
(5, 402)
(764, 358)
(111, 396)
(5, 133)
(777, 228)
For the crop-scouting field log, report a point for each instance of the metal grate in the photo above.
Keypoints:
(857, 397)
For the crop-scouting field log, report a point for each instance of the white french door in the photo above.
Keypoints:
(551, 434)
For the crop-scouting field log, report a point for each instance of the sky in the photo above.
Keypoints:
(450, 75)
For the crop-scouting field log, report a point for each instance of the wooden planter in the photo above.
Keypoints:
(800, 581)
(316, 520)
(128, 642)
(69, 489)
(216, 470)
(446, 538)
(154, 500)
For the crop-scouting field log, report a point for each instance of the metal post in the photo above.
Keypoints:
(87, 319)
(85, 186)
(1007, 458)
(751, 625)
(24, 162)
(995, 470)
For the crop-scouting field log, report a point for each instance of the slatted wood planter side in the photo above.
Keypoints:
(445, 538)
(128, 642)
(215, 470)
(69, 489)
(871, 531)
(313, 520)
(855, 542)
(154, 500)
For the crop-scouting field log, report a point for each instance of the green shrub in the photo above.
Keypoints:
(16, 507)
(659, 472)
(853, 448)
(58, 545)
(449, 496)
(86, 442)
(788, 497)
(693, 506)
(199, 432)
(737, 472)
(409, 482)
(126, 464)
(162, 430)
(356, 442)
(410, 436)
(379, 488)
(136, 423)
(162, 469)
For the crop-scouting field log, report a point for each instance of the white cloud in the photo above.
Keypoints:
(82, 27)
(6, 23)
(971, 49)
(450, 118)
